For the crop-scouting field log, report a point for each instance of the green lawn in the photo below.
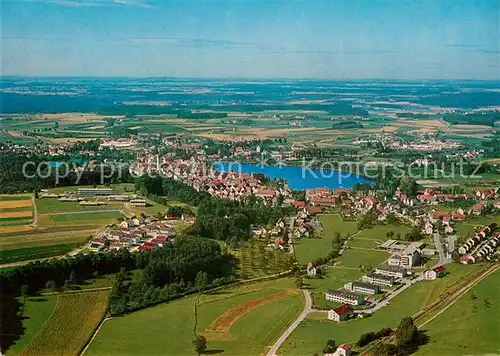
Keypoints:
(31, 253)
(308, 249)
(51, 205)
(312, 334)
(379, 232)
(79, 217)
(37, 311)
(167, 329)
(354, 258)
(470, 326)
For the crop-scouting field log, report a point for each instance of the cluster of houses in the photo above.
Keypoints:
(481, 246)
(305, 223)
(137, 234)
(229, 185)
(482, 194)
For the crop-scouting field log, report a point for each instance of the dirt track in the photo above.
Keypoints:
(225, 321)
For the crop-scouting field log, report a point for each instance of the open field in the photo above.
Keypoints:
(308, 249)
(471, 326)
(109, 216)
(70, 326)
(170, 326)
(312, 334)
(224, 322)
(15, 210)
(50, 205)
(21, 254)
(368, 259)
(10, 197)
(13, 204)
(37, 311)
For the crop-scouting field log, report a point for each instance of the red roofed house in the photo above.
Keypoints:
(434, 273)
(146, 246)
(343, 312)
(313, 209)
(467, 260)
(343, 350)
(299, 204)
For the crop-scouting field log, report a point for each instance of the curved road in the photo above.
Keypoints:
(274, 349)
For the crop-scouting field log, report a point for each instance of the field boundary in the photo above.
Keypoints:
(225, 321)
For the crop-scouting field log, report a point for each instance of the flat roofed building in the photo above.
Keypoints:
(95, 191)
(379, 279)
(361, 287)
(392, 271)
(341, 296)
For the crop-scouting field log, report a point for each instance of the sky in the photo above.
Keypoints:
(341, 39)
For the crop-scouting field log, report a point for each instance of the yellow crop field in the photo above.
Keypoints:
(15, 214)
(71, 325)
(8, 204)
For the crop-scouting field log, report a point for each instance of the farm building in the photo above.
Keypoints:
(95, 191)
(138, 202)
(434, 273)
(344, 312)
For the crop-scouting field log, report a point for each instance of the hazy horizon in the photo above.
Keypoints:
(313, 40)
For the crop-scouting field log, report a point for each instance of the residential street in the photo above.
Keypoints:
(439, 247)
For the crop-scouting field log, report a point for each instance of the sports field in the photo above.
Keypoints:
(311, 336)
(471, 326)
(70, 326)
(236, 321)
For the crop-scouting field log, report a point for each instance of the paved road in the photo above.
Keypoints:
(439, 247)
(308, 308)
(290, 235)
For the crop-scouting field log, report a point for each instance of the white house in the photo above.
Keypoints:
(311, 270)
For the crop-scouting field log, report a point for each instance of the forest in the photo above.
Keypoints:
(35, 172)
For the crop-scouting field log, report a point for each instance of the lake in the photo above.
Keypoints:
(298, 178)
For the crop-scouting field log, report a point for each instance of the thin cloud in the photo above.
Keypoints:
(90, 3)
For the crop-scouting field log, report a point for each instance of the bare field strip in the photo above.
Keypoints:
(7, 204)
(225, 321)
(70, 326)
(15, 214)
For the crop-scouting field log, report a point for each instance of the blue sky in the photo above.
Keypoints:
(270, 39)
